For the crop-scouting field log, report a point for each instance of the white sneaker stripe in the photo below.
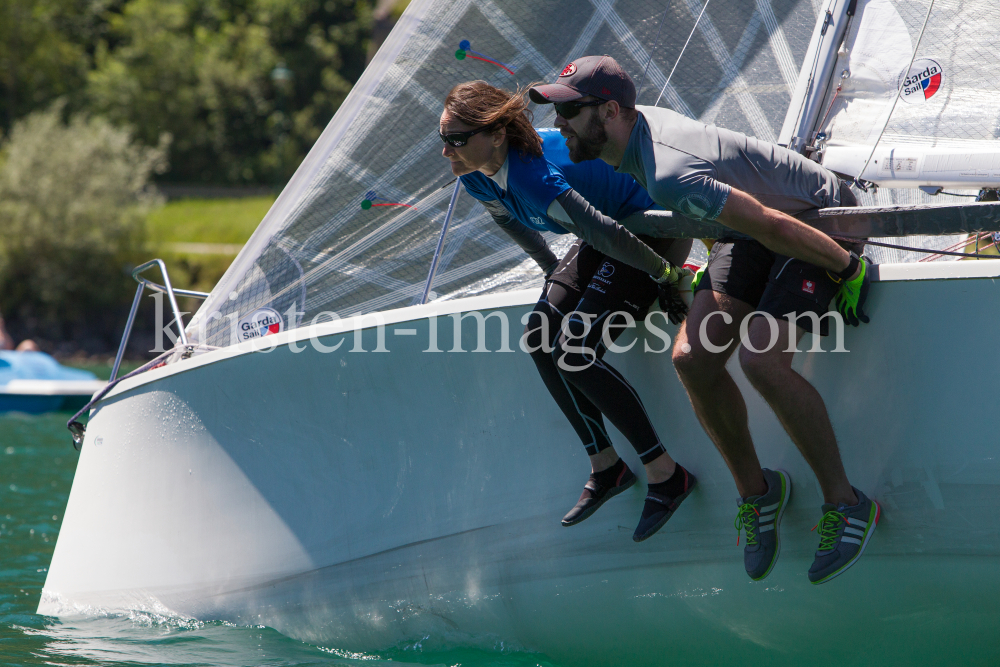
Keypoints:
(852, 540)
(765, 519)
(770, 508)
(858, 522)
(854, 531)
(764, 529)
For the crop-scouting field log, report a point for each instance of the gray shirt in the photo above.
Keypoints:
(690, 167)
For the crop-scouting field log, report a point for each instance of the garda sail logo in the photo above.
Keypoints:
(922, 81)
(261, 322)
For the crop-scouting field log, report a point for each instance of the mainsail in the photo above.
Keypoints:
(912, 94)
(950, 97)
(356, 228)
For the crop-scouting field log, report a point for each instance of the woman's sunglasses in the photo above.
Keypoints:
(459, 139)
(572, 109)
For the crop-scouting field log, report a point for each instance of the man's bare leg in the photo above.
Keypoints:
(716, 399)
(798, 406)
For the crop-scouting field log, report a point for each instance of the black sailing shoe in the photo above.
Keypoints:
(660, 507)
(595, 494)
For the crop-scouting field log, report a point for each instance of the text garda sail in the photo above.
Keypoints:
(261, 322)
(921, 81)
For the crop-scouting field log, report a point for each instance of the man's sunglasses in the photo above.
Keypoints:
(572, 109)
(459, 139)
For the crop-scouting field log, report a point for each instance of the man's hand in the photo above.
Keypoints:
(668, 287)
(851, 296)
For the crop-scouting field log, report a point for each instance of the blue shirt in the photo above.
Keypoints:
(534, 183)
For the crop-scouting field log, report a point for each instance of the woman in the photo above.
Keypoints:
(527, 182)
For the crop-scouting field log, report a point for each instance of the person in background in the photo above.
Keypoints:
(7, 343)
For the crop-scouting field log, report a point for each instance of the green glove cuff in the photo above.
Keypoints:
(670, 275)
(849, 294)
(697, 277)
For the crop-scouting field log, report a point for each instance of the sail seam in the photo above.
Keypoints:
(761, 127)
(639, 53)
(779, 45)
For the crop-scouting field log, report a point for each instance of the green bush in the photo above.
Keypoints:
(244, 87)
(74, 197)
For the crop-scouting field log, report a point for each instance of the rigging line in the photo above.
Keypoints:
(656, 43)
(681, 54)
(841, 53)
(899, 91)
(928, 251)
(964, 242)
(812, 69)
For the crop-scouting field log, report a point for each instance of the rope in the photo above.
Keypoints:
(912, 249)
(964, 242)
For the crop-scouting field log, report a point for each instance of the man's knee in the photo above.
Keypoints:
(757, 366)
(694, 363)
(762, 355)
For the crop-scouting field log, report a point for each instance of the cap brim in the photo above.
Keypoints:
(550, 93)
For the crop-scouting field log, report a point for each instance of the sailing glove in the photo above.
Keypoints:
(668, 288)
(697, 277)
(851, 296)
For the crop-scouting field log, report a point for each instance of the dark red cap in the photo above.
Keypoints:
(600, 76)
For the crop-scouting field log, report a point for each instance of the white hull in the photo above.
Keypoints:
(361, 500)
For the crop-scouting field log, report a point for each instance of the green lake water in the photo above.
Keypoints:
(37, 464)
(955, 622)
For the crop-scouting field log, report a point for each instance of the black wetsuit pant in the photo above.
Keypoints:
(569, 354)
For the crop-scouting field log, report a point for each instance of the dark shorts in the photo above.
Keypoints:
(774, 284)
(606, 283)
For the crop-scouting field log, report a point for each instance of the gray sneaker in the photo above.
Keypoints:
(759, 516)
(843, 535)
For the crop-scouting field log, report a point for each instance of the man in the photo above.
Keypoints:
(770, 263)
(527, 182)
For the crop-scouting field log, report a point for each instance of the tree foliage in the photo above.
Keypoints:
(44, 52)
(244, 86)
(73, 203)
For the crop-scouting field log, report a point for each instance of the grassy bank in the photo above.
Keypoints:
(199, 238)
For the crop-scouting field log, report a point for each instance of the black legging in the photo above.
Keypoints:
(595, 388)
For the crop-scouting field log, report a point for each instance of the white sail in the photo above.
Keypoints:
(943, 128)
(320, 253)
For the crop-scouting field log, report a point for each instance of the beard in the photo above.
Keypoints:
(589, 144)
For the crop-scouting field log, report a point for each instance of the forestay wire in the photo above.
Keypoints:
(681, 54)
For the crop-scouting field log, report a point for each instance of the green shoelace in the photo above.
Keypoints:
(746, 520)
(828, 527)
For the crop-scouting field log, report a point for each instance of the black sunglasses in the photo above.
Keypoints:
(459, 139)
(572, 109)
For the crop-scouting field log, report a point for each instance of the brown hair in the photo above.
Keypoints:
(478, 104)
